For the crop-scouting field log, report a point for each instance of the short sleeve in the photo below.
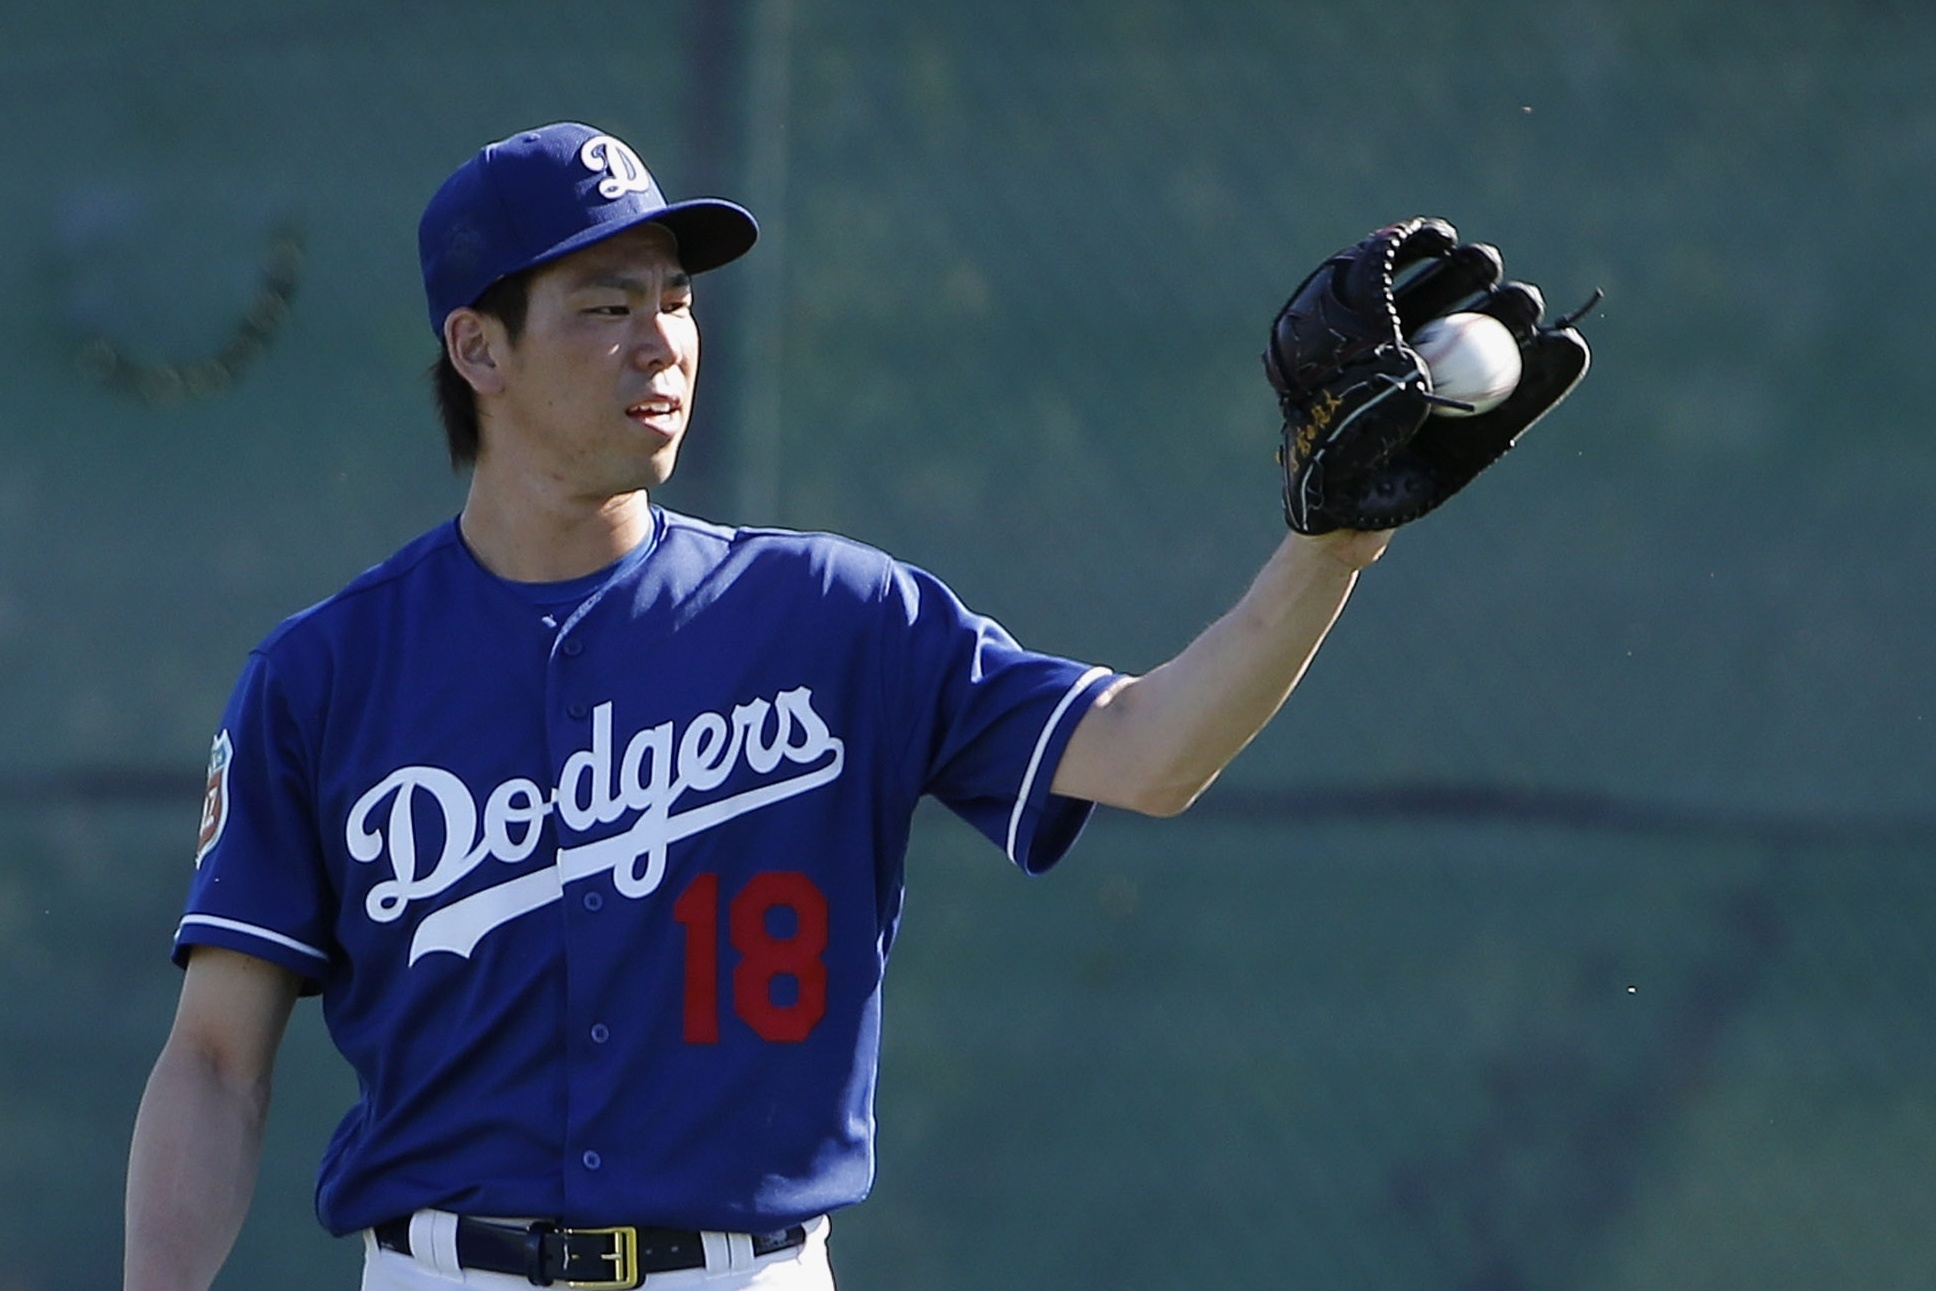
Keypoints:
(259, 885)
(988, 720)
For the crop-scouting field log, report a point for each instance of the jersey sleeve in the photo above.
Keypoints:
(988, 719)
(259, 885)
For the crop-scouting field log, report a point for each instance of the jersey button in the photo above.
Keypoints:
(574, 647)
(593, 901)
(575, 711)
(592, 1160)
(600, 1033)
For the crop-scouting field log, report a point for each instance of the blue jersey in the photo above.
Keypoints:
(598, 880)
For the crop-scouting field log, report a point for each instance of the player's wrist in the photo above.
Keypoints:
(1349, 550)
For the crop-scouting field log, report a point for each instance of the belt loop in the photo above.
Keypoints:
(537, 1270)
(433, 1242)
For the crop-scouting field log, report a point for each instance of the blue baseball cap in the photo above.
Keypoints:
(547, 192)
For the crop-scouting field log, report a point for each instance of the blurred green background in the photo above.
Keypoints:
(1570, 930)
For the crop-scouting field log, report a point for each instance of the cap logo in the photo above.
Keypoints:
(625, 173)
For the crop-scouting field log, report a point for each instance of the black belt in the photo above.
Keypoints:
(547, 1255)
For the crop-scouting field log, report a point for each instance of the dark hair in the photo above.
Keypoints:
(507, 300)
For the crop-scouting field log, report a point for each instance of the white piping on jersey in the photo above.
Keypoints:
(236, 925)
(1035, 758)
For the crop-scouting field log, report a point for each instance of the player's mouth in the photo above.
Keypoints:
(660, 412)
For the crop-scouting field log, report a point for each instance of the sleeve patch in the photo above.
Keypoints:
(215, 800)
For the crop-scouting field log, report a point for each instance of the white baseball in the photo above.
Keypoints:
(1472, 358)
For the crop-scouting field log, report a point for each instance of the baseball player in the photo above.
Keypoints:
(586, 820)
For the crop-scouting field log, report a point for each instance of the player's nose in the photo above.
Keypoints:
(661, 340)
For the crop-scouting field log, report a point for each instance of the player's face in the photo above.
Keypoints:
(599, 386)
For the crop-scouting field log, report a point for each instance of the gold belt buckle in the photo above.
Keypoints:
(623, 1257)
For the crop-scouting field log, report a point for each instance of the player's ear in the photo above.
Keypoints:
(474, 342)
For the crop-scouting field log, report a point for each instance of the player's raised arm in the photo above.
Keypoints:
(1374, 436)
(1153, 743)
(197, 1137)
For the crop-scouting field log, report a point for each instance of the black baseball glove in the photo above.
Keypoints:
(1361, 449)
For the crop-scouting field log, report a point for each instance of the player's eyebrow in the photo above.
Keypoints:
(676, 280)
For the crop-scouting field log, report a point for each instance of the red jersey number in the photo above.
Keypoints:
(780, 981)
